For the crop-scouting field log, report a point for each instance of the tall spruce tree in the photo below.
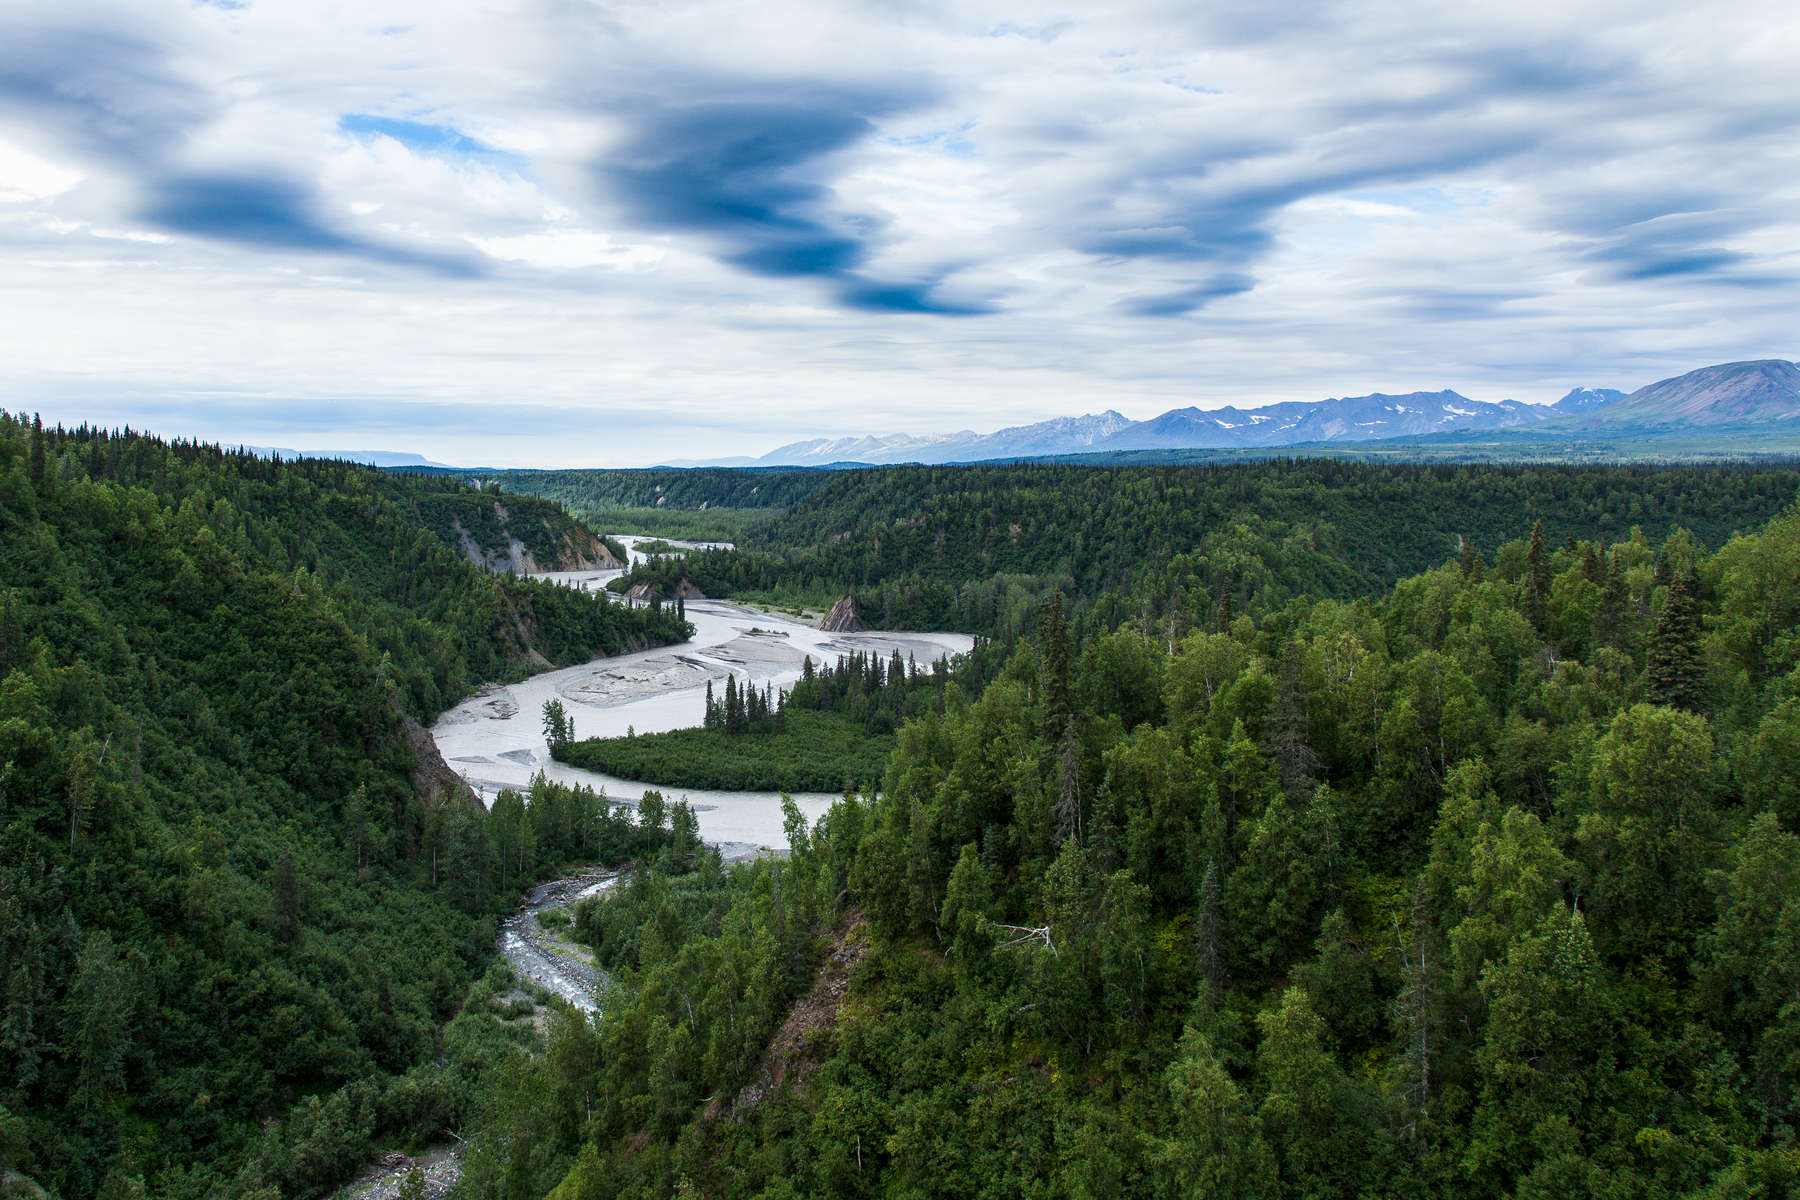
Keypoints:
(1537, 576)
(1672, 671)
(1209, 935)
(1059, 669)
(37, 451)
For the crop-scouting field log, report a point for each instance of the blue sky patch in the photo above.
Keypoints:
(437, 141)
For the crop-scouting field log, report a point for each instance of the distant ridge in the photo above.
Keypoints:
(372, 458)
(1348, 419)
(1060, 435)
(1374, 417)
(1587, 399)
(1735, 405)
(1759, 392)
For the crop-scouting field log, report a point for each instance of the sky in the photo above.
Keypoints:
(564, 233)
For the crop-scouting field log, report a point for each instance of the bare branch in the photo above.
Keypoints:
(1024, 934)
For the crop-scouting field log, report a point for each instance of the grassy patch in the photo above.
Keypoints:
(820, 752)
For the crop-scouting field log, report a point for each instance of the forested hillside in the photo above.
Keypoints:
(706, 487)
(973, 548)
(1486, 887)
(707, 504)
(231, 920)
(520, 534)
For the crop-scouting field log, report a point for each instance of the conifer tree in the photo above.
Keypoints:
(1412, 1010)
(1609, 616)
(1593, 566)
(359, 818)
(734, 707)
(1059, 670)
(1217, 1148)
(1210, 935)
(100, 1006)
(286, 890)
(1537, 576)
(37, 450)
(8, 634)
(1288, 743)
(1068, 788)
(1672, 672)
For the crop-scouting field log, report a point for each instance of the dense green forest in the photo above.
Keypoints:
(1304, 829)
(697, 490)
(1486, 887)
(235, 904)
(1729, 445)
(975, 548)
(832, 732)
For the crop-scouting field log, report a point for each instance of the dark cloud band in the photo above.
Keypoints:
(752, 178)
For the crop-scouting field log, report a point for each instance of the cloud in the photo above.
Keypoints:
(1221, 204)
(751, 178)
(901, 297)
(1186, 300)
(267, 212)
(739, 217)
(1673, 244)
(743, 175)
(258, 211)
(117, 99)
(110, 94)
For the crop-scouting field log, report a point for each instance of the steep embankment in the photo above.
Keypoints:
(517, 534)
(802, 1042)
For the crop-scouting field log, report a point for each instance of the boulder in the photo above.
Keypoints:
(842, 618)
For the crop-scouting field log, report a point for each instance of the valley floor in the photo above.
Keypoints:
(495, 738)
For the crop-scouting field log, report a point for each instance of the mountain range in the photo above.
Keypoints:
(1060, 435)
(1738, 398)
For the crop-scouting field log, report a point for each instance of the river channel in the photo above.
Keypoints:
(495, 738)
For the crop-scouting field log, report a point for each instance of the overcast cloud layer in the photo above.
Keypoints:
(565, 233)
